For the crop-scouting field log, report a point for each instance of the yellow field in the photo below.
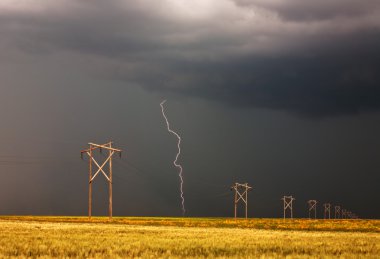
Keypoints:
(187, 237)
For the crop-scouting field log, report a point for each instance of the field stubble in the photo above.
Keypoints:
(171, 237)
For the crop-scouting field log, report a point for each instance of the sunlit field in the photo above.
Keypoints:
(187, 237)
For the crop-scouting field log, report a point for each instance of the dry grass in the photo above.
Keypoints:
(257, 223)
(177, 237)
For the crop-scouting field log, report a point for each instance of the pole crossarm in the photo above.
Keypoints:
(106, 146)
(100, 169)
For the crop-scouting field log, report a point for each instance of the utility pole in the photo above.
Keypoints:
(241, 193)
(344, 213)
(327, 210)
(337, 212)
(312, 207)
(100, 168)
(288, 205)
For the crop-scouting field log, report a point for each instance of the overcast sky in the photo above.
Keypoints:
(284, 95)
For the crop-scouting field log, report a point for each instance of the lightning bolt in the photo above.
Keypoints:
(176, 158)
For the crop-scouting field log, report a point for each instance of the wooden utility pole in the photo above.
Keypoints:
(344, 213)
(241, 193)
(312, 207)
(337, 212)
(327, 210)
(288, 205)
(90, 183)
(100, 168)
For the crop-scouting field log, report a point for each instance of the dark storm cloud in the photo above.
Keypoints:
(308, 58)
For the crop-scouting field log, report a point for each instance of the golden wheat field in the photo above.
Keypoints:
(22, 237)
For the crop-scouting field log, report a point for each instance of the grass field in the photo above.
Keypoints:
(187, 237)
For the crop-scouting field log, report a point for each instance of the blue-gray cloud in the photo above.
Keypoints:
(313, 59)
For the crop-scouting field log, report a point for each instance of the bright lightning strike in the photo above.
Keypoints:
(176, 158)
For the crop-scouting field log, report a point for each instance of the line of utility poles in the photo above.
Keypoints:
(312, 209)
(241, 189)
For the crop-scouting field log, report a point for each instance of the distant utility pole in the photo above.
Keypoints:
(288, 205)
(241, 193)
(312, 207)
(327, 210)
(100, 168)
(337, 212)
(344, 213)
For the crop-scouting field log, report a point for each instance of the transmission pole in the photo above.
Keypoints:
(337, 212)
(288, 205)
(344, 213)
(327, 210)
(312, 207)
(100, 168)
(241, 193)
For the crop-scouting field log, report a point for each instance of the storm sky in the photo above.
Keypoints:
(284, 95)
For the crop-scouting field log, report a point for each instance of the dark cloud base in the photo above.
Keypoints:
(324, 73)
(340, 81)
